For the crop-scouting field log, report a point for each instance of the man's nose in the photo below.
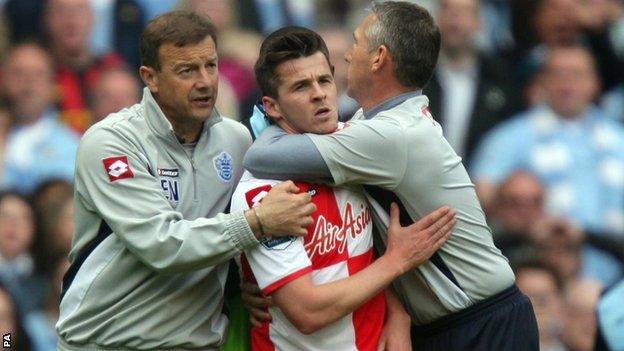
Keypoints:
(204, 79)
(318, 92)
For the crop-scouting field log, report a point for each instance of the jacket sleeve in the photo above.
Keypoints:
(128, 197)
(278, 155)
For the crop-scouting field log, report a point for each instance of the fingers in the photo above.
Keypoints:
(436, 226)
(255, 303)
(251, 288)
(309, 209)
(394, 215)
(443, 234)
(432, 218)
(257, 317)
(288, 186)
(254, 322)
(300, 231)
(252, 296)
(302, 199)
(306, 222)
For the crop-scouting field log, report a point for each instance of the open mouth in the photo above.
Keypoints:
(202, 101)
(322, 112)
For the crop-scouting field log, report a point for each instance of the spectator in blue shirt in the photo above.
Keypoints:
(573, 147)
(38, 146)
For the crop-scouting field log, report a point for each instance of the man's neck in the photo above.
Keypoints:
(382, 94)
(187, 132)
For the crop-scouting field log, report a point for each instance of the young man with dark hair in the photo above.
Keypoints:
(464, 297)
(331, 270)
(153, 237)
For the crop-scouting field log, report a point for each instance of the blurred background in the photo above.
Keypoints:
(529, 92)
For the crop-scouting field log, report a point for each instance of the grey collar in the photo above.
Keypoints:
(161, 125)
(391, 103)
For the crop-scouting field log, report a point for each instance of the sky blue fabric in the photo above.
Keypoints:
(581, 162)
(37, 152)
(611, 317)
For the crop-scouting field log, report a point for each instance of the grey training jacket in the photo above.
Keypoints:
(151, 244)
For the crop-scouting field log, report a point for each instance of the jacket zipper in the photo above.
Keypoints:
(192, 160)
(194, 177)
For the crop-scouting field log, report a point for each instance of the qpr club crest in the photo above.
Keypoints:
(223, 165)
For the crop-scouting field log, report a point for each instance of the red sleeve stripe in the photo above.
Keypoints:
(285, 280)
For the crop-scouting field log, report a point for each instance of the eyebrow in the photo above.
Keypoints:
(178, 65)
(300, 81)
(308, 80)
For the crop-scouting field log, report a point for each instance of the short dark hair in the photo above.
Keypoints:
(285, 44)
(179, 28)
(412, 37)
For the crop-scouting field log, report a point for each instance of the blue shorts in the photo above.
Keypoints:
(505, 321)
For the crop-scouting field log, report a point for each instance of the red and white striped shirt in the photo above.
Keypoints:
(339, 244)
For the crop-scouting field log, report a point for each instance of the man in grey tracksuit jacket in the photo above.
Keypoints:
(143, 251)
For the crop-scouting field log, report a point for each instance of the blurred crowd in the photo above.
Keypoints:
(529, 92)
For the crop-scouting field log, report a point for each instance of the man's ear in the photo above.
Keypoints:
(380, 58)
(149, 77)
(272, 108)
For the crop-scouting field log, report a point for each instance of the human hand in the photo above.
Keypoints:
(411, 246)
(285, 211)
(256, 303)
(396, 332)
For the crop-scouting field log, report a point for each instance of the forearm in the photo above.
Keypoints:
(395, 309)
(278, 155)
(169, 244)
(396, 333)
(329, 302)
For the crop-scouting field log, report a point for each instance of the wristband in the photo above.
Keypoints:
(262, 234)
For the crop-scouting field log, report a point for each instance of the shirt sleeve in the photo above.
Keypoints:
(276, 261)
(363, 152)
(278, 155)
(370, 152)
(128, 197)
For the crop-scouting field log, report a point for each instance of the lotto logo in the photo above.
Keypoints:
(117, 168)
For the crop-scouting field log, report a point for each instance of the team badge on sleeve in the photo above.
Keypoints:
(117, 168)
(277, 242)
(223, 165)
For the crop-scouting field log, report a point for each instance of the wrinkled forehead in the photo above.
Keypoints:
(172, 54)
(303, 67)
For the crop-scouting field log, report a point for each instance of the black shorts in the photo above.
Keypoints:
(505, 321)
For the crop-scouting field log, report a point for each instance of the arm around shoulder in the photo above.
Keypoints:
(370, 152)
